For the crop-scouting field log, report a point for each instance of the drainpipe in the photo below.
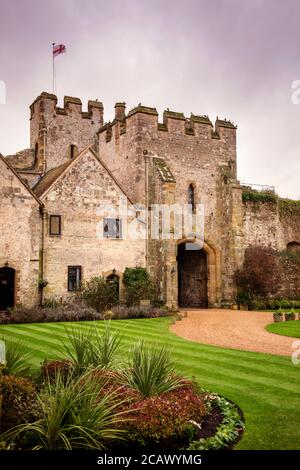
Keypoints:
(43, 211)
(147, 204)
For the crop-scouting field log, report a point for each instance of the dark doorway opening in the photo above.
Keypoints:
(192, 276)
(114, 280)
(7, 288)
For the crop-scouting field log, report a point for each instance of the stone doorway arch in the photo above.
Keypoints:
(209, 273)
(117, 277)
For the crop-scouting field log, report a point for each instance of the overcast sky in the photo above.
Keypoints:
(232, 58)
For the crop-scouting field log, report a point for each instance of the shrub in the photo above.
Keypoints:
(165, 419)
(90, 348)
(290, 316)
(139, 285)
(259, 304)
(51, 303)
(77, 348)
(100, 294)
(134, 311)
(103, 352)
(277, 317)
(276, 303)
(16, 358)
(78, 311)
(18, 402)
(150, 371)
(73, 417)
(50, 369)
(71, 311)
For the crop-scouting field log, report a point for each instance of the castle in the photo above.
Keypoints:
(51, 193)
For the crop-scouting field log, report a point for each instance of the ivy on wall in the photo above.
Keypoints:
(288, 207)
(256, 196)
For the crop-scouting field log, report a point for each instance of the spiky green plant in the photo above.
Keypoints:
(77, 348)
(16, 359)
(103, 352)
(74, 416)
(150, 370)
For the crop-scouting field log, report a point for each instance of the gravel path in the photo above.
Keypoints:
(233, 329)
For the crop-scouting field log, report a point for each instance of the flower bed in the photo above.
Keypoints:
(85, 401)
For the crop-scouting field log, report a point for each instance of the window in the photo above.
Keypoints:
(112, 228)
(36, 152)
(74, 278)
(55, 225)
(73, 151)
(191, 197)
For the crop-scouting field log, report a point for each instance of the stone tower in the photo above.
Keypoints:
(58, 134)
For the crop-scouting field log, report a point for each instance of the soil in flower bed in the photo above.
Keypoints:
(210, 424)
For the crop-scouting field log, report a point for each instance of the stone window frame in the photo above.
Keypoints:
(51, 217)
(79, 268)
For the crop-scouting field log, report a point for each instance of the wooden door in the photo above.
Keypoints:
(192, 277)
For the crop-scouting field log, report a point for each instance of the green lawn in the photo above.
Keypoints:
(285, 328)
(265, 386)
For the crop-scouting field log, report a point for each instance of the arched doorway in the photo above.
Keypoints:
(293, 248)
(192, 276)
(7, 288)
(114, 280)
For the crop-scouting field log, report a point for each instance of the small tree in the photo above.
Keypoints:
(100, 294)
(139, 285)
(259, 276)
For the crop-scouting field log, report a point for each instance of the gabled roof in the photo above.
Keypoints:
(55, 174)
(35, 196)
(49, 178)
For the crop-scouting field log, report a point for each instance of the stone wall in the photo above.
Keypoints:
(20, 235)
(79, 197)
(22, 160)
(274, 222)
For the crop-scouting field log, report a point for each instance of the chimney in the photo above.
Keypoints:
(120, 111)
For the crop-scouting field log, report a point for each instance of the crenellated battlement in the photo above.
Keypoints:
(47, 102)
(172, 122)
(59, 133)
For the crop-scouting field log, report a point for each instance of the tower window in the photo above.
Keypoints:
(73, 151)
(191, 196)
(36, 152)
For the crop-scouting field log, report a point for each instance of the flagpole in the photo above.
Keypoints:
(53, 70)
